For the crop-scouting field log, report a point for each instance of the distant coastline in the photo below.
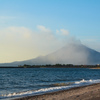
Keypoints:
(95, 68)
(61, 66)
(54, 66)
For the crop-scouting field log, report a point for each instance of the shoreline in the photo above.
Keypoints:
(89, 92)
(94, 68)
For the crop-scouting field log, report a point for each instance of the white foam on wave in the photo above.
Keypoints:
(83, 81)
(51, 89)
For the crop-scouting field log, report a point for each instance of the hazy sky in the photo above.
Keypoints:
(30, 28)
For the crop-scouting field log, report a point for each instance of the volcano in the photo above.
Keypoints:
(73, 53)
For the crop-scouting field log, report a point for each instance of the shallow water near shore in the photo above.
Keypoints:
(18, 82)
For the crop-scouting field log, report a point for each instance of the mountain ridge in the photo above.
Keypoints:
(73, 53)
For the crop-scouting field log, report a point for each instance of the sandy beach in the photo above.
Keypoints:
(90, 92)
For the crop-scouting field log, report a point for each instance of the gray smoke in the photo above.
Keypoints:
(73, 53)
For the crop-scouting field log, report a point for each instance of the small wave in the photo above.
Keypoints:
(83, 81)
(56, 87)
(28, 93)
(63, 84)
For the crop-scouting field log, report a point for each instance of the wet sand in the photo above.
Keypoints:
(91, 92)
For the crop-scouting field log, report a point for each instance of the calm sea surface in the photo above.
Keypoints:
(16, 82)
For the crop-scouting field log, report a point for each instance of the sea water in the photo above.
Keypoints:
(19, 82)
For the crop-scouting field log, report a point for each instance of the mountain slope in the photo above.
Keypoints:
(74, 53)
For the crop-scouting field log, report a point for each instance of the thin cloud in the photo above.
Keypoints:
(62, 32)
(23, 43)
(43, 28)
(7, 17)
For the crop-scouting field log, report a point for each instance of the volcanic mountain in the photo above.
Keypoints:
(74, 53)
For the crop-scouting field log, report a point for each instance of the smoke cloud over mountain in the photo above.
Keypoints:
(20, 43)
(46, 43)
(73, 53)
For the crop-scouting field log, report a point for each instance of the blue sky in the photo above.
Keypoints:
(22, 21)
